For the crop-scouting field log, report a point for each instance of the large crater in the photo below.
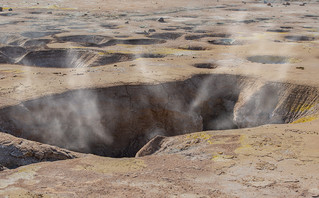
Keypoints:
(118, 121)
(62, 58)
(65, 58)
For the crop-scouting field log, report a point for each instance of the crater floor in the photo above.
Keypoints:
(213, 98)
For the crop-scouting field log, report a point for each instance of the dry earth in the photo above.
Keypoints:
(213, 98)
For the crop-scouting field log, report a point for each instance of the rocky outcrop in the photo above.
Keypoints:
(15, 152)
(151, 147)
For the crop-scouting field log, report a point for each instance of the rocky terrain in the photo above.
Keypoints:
(159, 98)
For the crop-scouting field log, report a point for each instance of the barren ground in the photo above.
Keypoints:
(223, 94)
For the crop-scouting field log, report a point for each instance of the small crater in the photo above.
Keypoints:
(237, 9)
(57, 58)
(141, 41)
(63, 58)
(122, 36)
(142, 33)
(169, 29)
(205, 65)
(299, 38)
(3, 58)
(263, 19)
(51, 27)
(221, 7)
(190, 16)
(13, 51)
(38, 34)
(166, 35)
(36, 43)
(109, 26)
(194, 37)
(186, 28)
(113, 58)
(76, 28)
(86, 40)
(278, 30)
(268, 59)
(195, 48)
(35, 12)
(222, 35)
(11, 39)
(201, 31)
(311, 16)
(152, 56)
(11, 23)
(286, 27)
(108, 43)
(248, 21)
(8, 14)
(225, 42)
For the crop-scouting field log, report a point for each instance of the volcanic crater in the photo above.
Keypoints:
(118, 121)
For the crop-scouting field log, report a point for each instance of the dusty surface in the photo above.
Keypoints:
(269, 161)
(102, 44)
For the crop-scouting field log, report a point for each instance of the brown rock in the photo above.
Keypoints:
(15, 152)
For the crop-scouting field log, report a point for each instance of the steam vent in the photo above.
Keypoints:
(159, 98)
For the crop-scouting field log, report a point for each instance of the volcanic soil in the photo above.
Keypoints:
(159, 98)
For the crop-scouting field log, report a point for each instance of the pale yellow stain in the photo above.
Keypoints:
(138, 59)
(306, 107)
(259, 35)
(202, 136)
(244, 145)
(294, 60)
(219, 158)
(22, 173)
(311, 29)
(127, 46)
(306, 119)
(303, 108)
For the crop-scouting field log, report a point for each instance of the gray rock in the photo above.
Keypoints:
(161, 20)
(15, 152)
